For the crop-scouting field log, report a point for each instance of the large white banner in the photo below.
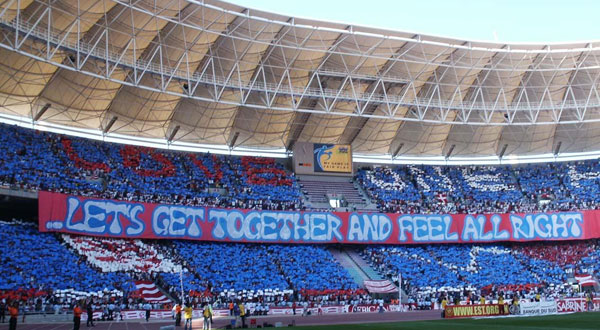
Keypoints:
(539, 308)
(197, 313)
(154, 314)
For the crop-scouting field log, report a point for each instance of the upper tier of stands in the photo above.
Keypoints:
(317, 191)
(47, 161)
(484, 189)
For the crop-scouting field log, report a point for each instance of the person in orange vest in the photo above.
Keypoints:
(76, 317)
(178, 315)
(231, 308)
(13, 311)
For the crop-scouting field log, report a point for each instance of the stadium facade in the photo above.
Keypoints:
(210, 75)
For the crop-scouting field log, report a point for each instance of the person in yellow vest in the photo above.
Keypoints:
(515, 305)
(501, 303)
(187, 315)
(482, 300)
(207, 314)
(243, 313)
(444, 304)
(538, 297)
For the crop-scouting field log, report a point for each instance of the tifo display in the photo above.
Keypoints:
(50, 162)
(281, 276)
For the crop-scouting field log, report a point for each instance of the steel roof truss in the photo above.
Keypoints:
(362, 109)
(203, 75)
(120, 58)
(139, 74)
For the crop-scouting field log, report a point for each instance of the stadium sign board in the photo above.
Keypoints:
(574, 305)
(538, 308)
(322, 159)
(332, 158)
(458, 311)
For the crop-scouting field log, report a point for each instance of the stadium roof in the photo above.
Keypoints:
(214, 73)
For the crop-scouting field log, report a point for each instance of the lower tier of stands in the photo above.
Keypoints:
(67, 266)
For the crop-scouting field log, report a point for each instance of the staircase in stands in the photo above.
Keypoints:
(316, 189)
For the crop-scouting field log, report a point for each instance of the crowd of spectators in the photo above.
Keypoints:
(47, 161)
(279, 274)
(428, 271)
(392, 189)
(80, 265)
(310, 267)
(252, 269)
(429, 189)
(35, 160)
(272, 274)
(39, 261)
(121, 255)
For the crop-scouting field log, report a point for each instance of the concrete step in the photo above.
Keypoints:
(363, 265)
(342, 257)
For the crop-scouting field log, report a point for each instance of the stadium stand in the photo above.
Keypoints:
(277, 273)
(277, 269)
(121, 255)
(434, 269)
(582, 179)
(48, 265)
(311, 267)
(46, 161)
(436, 186)
(483, 189)
(89, 264)
(391, 188)
(261, 183)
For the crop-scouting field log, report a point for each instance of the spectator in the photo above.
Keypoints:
(207, 314)
(76, 317)
(187, 313)
(13, 311)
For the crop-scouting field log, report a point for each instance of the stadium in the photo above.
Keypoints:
(198, 164)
